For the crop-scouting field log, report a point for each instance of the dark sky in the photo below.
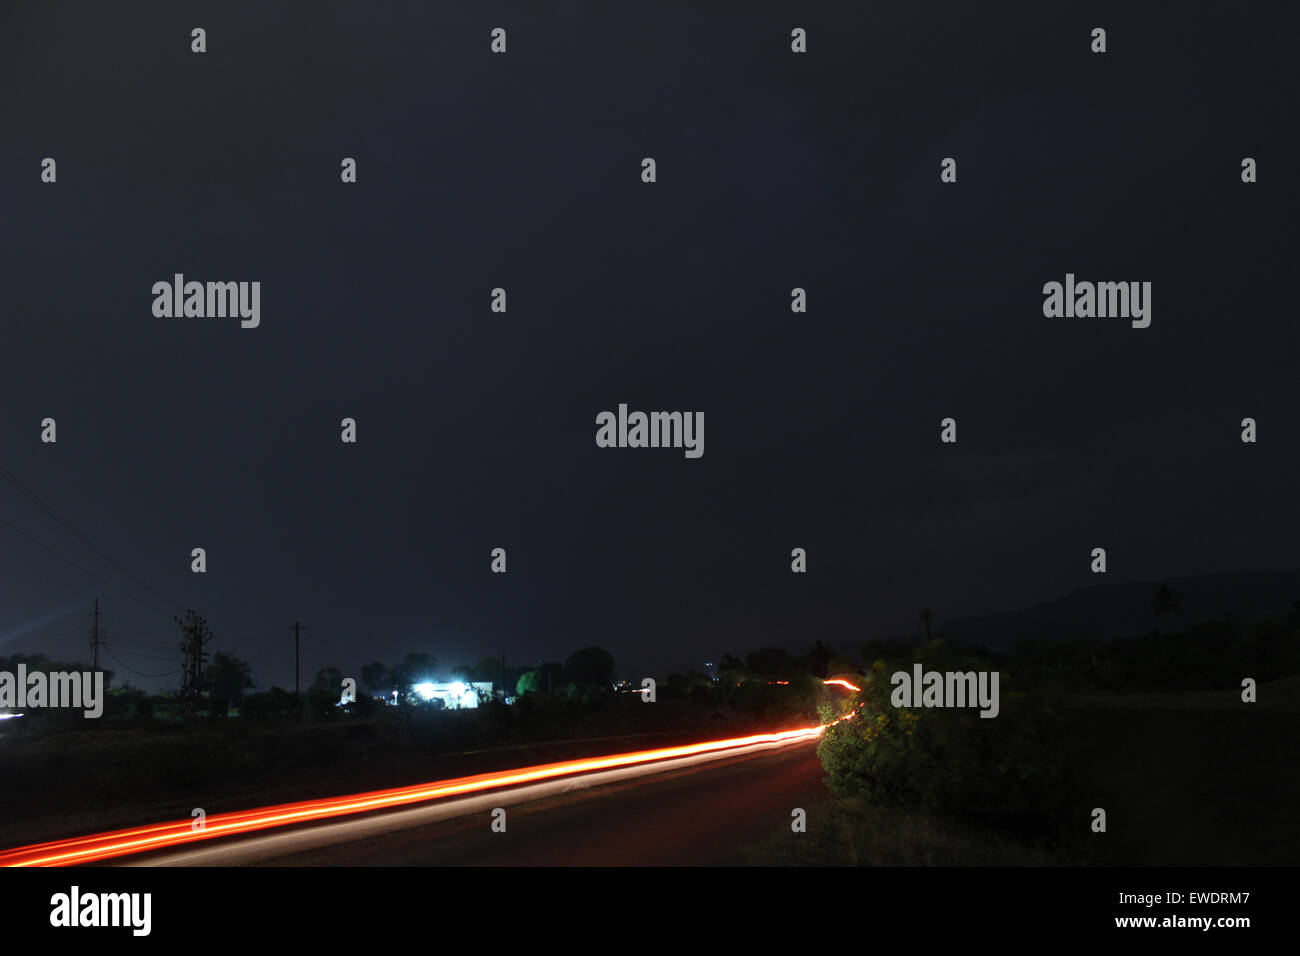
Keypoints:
(477, 430)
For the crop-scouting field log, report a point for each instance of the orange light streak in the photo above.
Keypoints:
(843, 683)
(102, 846)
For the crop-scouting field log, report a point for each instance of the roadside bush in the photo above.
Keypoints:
(274, 703)
(1009, 769)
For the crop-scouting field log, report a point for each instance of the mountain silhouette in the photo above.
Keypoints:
(1108, 611)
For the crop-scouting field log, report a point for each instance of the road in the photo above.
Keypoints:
(705, 814)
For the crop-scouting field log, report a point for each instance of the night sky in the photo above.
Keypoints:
(476, 429)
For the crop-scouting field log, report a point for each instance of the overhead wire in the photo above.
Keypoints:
(41, 505)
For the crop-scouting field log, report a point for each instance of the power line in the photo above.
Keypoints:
(127, 593)
(139, 641)
(257, 657)
(151, 657)
(122, 591)
(136, 672)
(76, 633)
(13, 527)
(36, 501)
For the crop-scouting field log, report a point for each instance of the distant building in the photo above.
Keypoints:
(455, 695)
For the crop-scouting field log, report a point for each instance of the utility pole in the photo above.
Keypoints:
(297, 660)
(95, 639)
(195, 634)
(925, 616)
(505, 691)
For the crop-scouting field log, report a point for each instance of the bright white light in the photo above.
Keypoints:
(458, 689)
(425, 690)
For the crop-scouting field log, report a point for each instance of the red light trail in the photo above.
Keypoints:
(843, 683)
(103, 846)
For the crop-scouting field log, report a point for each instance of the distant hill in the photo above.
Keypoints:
(1124, 610)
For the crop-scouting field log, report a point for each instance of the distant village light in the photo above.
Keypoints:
(454, 696)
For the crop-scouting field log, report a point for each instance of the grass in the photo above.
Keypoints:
(850, 832)
(1186, 779)
(1192, 780)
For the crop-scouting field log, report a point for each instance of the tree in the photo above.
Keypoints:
(885, 649)
(817, 659)
(550, 677)
(530, 682)
(227, 679)
(926, 617)
(945, 760)
(487, 669)
(276, 702)
(731, 671)
(771, 662)
(841, 664)
(414, 669)
(463, 673)
(330, 680)
(1165, 601)
(590, 666)
(325, 692)
(375, 677)
(130, 702)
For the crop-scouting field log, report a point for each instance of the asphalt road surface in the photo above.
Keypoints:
(703, 815)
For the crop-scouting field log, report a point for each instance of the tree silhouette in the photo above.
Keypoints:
(374, 676)
(226, 680)
(817, 660)
(590, 666)
(1165, 601)
(416, 668)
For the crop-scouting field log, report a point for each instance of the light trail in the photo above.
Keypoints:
(843, 683)
(103, 846)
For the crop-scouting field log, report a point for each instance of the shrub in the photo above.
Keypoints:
(1009, 769)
